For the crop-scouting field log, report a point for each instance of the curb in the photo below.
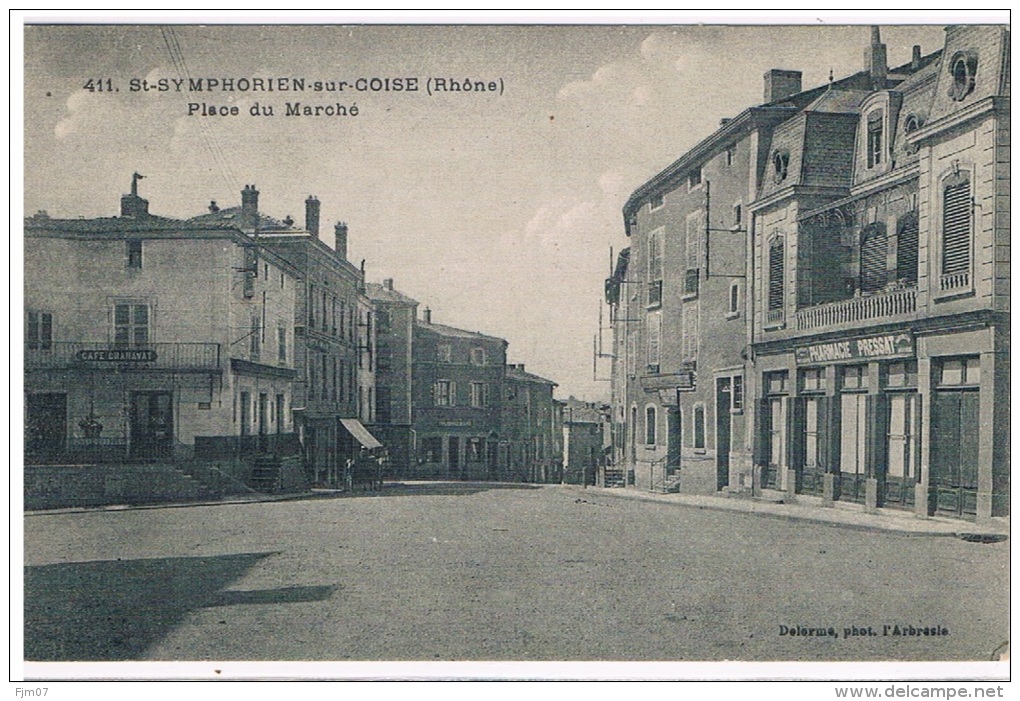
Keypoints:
(963, 530)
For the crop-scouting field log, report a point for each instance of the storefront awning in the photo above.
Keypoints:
(358, 430)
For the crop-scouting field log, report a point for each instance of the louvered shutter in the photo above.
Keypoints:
(873, 259)
(776, 274)
(906, 250)
(956, 227)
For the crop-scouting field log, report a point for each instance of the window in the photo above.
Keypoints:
(956, 372)
(906, 249)
(431, 449)
(312, 385)
(776, 273)
(383, 322)
(734, 299)
(444, 353)
(699, 427)
(130, 325)
(874, 143)
(250, 270)
(311, 306)
(444, 393)
(281, 344)
(738, 215)
(874, 247)
(478, 356)
(775, 382)
(474, 450)
(39, 330)
(901, 375)
(650, 426)
(382, 405)
(653, 327)
(255, 339)
(956, 235)
(780, 165)
(343, 319)
(911, 124)
(812, 380)
(729, 156)
(479, 394)
(655, 268)
(963, 68)
(656, 201)
(738, 393)
(855, 377)
(689, 331)
(134, 254)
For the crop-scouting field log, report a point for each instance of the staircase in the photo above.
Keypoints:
(670, 484)
(615, 477)
(265, 474)
(62, 486)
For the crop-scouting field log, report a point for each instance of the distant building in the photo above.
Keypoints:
(531, 428)
(458, 386)
(583, 440)
(333, 343)
(155, 339)
(395, 315)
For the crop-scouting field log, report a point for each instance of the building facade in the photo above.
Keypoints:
(333, 338)
(815, 298)
(583, 442)
(531, 449)
(395, 315)
(458, 388)
(125, 364)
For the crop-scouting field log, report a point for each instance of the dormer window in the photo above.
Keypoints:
(963, 68)
(780, 165)
(875, 139)
(694, 179)
(911, 124)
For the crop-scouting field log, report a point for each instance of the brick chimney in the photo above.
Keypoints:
(132, 205)
(340, 234)
(388, 284)
(427, 315)
(312, 216)
(875, 61)
(780, 84)
(915, 58)
(249, 208)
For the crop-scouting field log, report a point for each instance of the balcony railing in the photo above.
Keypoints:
(848, 311)
(955, 281)
(152, 356)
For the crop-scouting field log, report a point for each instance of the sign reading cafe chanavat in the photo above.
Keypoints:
(900, 345)
(118, 356)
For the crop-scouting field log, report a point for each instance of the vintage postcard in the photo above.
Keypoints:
(663, 348)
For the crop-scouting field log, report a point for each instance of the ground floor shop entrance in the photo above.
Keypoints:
(151, 425)
(45, 424)
(954, 452)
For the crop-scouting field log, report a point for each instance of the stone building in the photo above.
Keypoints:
(532, 444)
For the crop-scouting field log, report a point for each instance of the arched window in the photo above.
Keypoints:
(650, 416)
(780, 165)
(906, 249)
(963, 68)
(956, 232)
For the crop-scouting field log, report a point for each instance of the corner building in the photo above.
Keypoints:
(880, 268)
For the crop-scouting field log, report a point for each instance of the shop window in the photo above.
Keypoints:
(699, 427)
(134, 254)
(444, 392)
(431, 449)
(901, 375)
(956, 232)
(958, 372)
(875, 138)
(130, 325)
(855, 377)
(776, 382)
(650, 426)
(38, 330)
(812, 380)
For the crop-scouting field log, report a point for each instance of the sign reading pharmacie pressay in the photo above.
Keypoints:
(898, 345)
(112, 355)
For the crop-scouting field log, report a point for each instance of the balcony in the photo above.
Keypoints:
(849, 311)
(100, 356)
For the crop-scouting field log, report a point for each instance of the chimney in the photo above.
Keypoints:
(340, 234)
(387, 283)
(875, 61)
(780, 84)
(249, 208)
(132, 205)
(427, 315)
(915, 58)
(312, 216)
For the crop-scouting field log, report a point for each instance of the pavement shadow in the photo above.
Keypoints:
(418, 489)
(116, 609)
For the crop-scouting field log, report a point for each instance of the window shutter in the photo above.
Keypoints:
(833, 433)
(776, 274)
(873, 259)
(762, 435)
(796, 426)
(878, 440)
(906, 249)
(956, 228)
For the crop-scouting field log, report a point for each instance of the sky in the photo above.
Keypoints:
(497, 210)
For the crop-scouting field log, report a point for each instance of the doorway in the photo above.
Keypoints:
(45, 425)
(152, 428)
(723, 407)
(954, 461)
